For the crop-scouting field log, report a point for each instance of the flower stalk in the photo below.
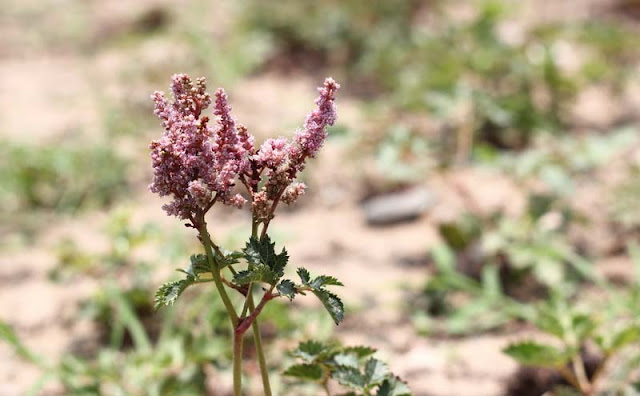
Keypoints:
(198, 165)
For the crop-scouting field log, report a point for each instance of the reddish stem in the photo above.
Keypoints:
(245, 323)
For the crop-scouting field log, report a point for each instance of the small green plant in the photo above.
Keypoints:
(562, 161)
(61, 178)
(334, 32)
(351, 367)
(168, 359)
(606, 326)
(493, 266)
(125, 240)
(530, 248)
(456, 303)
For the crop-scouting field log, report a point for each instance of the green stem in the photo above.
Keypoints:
(237, 363)
(254, 227)
(215, 272)
(233, 316)
(246, 302)
(257, 339)
(257, 335)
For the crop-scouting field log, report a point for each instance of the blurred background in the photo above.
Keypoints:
(484, 151)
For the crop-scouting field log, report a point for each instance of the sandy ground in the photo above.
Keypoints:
(46, 95)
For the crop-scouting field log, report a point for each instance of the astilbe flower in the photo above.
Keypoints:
(187, 164)
(310, 139)
(230, 153)
(198, 165)
(283, 160)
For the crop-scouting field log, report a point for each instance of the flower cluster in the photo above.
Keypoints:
(198, 165)
(282, 160)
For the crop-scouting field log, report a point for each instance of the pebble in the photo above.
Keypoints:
(398, 207)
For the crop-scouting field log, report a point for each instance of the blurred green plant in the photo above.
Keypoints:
(489, 268)
(560, 162)
(403, 156)
(623, 208)
(160, 353)
(60, 178)
(352, 367)
(331, 32)
(175, 363)
(613, 52)
(493, 81)
(124, 240)
(485, 86)
(458, 304)
(607, 324)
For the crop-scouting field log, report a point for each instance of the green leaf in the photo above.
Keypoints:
(530, 353)
(169, 292)
(304, 276)
(311, 372)
(259, 273)
(350, 377)
(287, 288)
(624, 338)
(360, 351)
(393, 387)
(443, 258)
(228, 259)
(375, 371)
(311, 350)
(7, 334)
(548, 321)
(127, 316)
(263, 252)
(199, 265)
(332, 304)
(346, 360)
(491, 281)
(324, 280)
(583, 326)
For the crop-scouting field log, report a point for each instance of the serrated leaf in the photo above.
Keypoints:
(169, 292)
(258, 273)
(375, 371)
(199, 265)
(393, 387)
(530, 353)
(324, 280)
(332, 304)
(228, 259)
(311, 350)
(263, 252)
(349, 376)
(305, 371)
(287, 288)
(304, 276)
